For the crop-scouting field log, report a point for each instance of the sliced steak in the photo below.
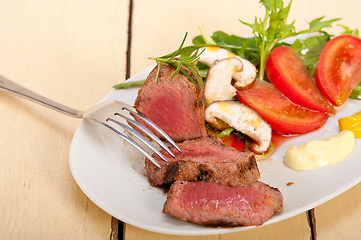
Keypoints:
(204, 159)
(176, 106)
(218, 205)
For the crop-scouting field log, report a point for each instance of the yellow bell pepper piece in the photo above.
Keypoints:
(352, 123)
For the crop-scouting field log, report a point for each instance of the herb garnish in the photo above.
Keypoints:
(183, 56)
(273, 28)
(268, 33)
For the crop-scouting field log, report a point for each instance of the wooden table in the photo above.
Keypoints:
(73, 52)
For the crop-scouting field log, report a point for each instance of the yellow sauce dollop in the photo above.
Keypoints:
(320, 153)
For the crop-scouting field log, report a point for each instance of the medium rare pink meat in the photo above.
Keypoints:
(204, 159)
(218, 205)
(176, 106)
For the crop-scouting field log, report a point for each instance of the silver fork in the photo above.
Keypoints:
(110, 114)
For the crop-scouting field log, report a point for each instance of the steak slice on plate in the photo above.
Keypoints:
(176, 106)
(204, 159)
(219, 205)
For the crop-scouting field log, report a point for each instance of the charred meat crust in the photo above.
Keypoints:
(209, 172)
(233, 169)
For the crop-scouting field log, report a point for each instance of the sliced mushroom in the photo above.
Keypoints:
(219, 80)
(242, 78)
(225, 114)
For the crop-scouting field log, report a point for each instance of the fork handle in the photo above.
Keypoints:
(9, 86)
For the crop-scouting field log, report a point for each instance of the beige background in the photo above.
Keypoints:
(73, 52)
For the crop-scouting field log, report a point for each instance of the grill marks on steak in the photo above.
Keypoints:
(219, 205)
(176, 106)
(204, 159)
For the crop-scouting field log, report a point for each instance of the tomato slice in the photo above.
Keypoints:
(339, 68)
(287, 71)
(232, 141)
(283, 115)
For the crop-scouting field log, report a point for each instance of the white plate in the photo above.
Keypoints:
(111, 173)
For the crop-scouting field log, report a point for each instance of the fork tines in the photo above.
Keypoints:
(132, 126)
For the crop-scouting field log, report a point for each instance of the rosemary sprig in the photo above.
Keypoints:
(183, 56)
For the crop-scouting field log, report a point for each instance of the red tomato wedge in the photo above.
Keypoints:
(232, 141)
(339, 68)
(283, 115)
(287, 71)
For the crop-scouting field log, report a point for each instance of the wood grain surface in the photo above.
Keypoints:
(74, 52)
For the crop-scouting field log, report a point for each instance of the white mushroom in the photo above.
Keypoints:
(225, 114)
(242, 78)
(219, 80)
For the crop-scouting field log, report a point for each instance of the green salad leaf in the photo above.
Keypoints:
(356, 93)
(129, 84)
(310, 49)
(183, 57)
(240, 136)
(274, 28)
(349, 31)
(317, 25)
(225, 132)
(271, 29)
(269, 33)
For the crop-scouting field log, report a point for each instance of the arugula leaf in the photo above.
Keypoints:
(356, 93)
(317, 25)
(310, 50)
(240, 136)
(202, 69)
(268, 33)
(242, 46)
(129, 84)
(225, 132)
(348, 31)
(273, 28)
(206, 38)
